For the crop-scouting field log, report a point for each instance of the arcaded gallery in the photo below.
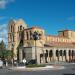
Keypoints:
(33, 43)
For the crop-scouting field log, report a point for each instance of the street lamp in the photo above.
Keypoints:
(35, 37)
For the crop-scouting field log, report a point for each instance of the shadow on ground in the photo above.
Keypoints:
(69, 74)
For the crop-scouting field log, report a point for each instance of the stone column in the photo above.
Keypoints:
(54, 54)
(67, 55)
(33, 53)
(38, 55)
(43, 56)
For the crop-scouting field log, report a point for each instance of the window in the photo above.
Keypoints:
(27, 35)
(63, 33)
(13, 38)
(21, 27)
(30, 35)
(11, 28)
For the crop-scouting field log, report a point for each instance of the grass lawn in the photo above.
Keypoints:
(35, 65)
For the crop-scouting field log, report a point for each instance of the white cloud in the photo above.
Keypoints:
(71, 18)
(4, 3)
(3, 33)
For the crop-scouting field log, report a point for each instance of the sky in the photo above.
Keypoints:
(51, 15)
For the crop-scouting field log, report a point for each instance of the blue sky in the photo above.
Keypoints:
(51, 15)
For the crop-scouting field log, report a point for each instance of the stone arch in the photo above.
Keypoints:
(41, 58)
(64, 54)
(46, 56)
(61, 54)
(50, 54)
(57, 54)
(69, 54)
(72, 55)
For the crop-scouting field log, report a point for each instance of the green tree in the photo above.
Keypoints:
(4, 53)
(7, 54)
(2, 45)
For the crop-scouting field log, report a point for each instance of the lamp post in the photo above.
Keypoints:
(35, 37)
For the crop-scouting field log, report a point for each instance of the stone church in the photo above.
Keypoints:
(44, 49)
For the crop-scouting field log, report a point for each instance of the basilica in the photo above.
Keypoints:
(33, 43)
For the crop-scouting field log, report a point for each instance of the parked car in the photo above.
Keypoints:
(1, 64)
(31, 62)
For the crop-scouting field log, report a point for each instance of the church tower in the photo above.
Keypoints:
(15, 28)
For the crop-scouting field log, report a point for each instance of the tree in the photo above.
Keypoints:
(2, 45)
(7, 54)
(4, 53)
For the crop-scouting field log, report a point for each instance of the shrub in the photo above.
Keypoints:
(35, 65)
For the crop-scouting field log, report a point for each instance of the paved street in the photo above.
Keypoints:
(69, 70)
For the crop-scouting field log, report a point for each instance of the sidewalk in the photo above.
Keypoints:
(49, 67)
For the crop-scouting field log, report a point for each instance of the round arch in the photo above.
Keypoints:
(50, 54)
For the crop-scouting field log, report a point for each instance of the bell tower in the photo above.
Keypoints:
(15, 28)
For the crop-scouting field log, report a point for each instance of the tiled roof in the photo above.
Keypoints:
(60, 44)
(57, 36)
(33, 28)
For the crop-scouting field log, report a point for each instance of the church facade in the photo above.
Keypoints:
(45, 49)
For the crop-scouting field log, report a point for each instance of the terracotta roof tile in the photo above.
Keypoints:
(60, 44)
